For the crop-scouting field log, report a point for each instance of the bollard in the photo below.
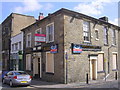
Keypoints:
(87, 78)
(115, 75)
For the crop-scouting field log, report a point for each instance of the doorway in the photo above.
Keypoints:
(37, 69)
(93, 68)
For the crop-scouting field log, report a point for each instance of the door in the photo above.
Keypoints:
(39, 67)
(93, 70)
(93, 67)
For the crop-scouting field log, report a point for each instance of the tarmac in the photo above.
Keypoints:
(43, 84)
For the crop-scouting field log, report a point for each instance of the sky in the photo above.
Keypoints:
(94, 8)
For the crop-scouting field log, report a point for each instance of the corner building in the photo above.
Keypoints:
(75, 45)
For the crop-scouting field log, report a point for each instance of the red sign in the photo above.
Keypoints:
(40, 37)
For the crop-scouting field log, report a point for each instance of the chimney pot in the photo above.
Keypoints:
(40, 16)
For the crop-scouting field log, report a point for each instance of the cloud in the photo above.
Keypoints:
(92, 8)
(28, 6)
(48, 6)
(115, 21)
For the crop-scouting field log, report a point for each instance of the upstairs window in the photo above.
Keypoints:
(38, 31)
(86, 31)
(105, 35)
(28, 43)
(16, 46)
(113, 37)
(96, 34)
(50, 32)
(20, 46)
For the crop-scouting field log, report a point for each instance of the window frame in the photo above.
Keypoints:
(47, 38)
(27, 40)
(88, 32)
(47, 64)
(105, 35)
(113, 37)
(39, 29)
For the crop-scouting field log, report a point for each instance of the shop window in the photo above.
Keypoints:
(114, 62)
(49, 62)
(100, 62)
(28, 62)
(50, 32)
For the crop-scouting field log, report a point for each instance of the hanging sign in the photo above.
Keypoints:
(76, 49)
(54, 49)
(40, 37)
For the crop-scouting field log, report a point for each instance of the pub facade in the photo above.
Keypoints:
(66, 46)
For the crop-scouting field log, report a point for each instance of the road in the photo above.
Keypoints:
(108, 84)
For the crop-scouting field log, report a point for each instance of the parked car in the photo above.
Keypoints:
(14, 78)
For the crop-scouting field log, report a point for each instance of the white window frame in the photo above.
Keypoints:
(27, 40)
(28, 62)
(47, 38)
(40, 29)
(114, 53)
(96, 35)
(47, 63)
(86, 32)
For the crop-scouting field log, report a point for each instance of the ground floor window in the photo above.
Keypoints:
(49, 62)
(100, 62)
(114, 61)
(28, 62)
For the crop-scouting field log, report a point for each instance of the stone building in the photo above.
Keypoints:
(75, 45)
(11, 26)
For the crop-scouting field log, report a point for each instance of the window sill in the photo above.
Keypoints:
(50, 73)
(87, 42)
(113, 45)
(114, 70)
(97, 39)
(106, 44)
(100, 71)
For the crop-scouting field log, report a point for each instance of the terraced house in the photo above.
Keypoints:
(12, 26)
(66, 46)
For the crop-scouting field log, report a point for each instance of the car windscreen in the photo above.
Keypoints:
(20, 73)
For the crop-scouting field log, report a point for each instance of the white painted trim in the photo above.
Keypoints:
(46, 62)
(47, 32)
(115, 52)
(27, 40)
(101, 52)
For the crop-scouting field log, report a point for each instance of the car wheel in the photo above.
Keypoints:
(11, 84)
(3, 81)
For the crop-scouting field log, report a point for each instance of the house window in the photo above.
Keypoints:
(114, 61)
(20, 47)
(86, 31)
(105, 35)
(28, 44)
(16, 46)
(100, 62)
(113, 37)
(50, 32)
(12, 47)
(96, 34)
(28, 62)
(38, 31)
(49, 62)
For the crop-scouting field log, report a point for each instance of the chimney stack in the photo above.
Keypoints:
(40, 16)
(104, 19)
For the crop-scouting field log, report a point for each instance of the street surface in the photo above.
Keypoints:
(36, 84)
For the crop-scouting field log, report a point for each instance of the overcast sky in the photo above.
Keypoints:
(94, 8)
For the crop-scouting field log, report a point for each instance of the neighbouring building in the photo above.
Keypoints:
(0, 47)
(76, 45)
(16, 62)
(11, 26)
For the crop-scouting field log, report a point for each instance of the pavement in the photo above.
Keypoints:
(44, 84)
